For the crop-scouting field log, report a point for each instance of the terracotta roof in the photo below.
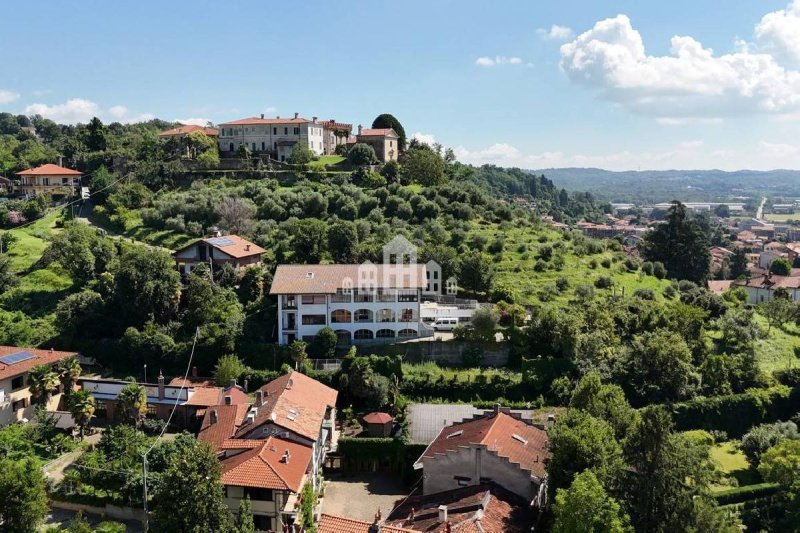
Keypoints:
(486, 508)
(378, 418)
(49, 170)
(268, 466)
(517, 441)
(378, 132)
(293, 401)
(233, 245)
(229, 418)
(205, 396)
(259, 120)
(719, 286)
(183, 130)
(40, 357)
(325, 279)
(333, 125)
(771, 282)
(340, 524)
(192, 382)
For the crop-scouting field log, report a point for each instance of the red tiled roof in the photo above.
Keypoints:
(326, 279)
(498, 432)
(267, 467)
(229, 418)
(205, 396)
(293, 401)
(40, 357)
(378, 132)
(719, 286)
(49, 170)
(340, 524)
(184, 130)
(191, 382)
(234, 246)
(771, 282)
(378, 418)
(259, 120)
(331, 124)
(484, 508)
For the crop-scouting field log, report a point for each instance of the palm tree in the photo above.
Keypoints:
(42, 381)
(81, 406)
(133, 402)
(69, 370)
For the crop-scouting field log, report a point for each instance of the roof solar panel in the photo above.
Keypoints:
(220, 241)
(17, 357)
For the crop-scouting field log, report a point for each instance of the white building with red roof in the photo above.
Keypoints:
(49, 179)
(383, 140)
(231, 249)
(276, 137)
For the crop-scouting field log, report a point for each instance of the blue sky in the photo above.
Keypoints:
(618, 85)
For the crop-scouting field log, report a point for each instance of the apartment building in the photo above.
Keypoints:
(276, 137)
(360, 302)
(49, 179)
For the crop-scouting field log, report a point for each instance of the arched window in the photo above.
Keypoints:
(407, 315)
(343, 335)
(361, 334)
(340, 316)
(362, 315)
(384, 334)
(407, 333)
(385, 315)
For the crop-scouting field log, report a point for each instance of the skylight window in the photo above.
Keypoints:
(455, 434)
(519, 439)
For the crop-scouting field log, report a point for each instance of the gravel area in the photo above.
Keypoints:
(361, 495)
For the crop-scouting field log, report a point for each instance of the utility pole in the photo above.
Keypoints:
(145, 521)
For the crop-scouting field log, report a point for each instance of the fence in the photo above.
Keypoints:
(111, 511)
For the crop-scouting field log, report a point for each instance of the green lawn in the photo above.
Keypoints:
(728, 457)
(782, 217)
(330, 160)
(776, 350)
(31, 242)
(164, 238)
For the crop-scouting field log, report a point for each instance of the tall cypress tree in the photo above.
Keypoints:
(681, 245)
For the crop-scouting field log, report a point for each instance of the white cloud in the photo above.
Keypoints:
(426, 138)
(690, 83)
(555, 33)
(486, 61)
(6, 97)
(779, 33)
(691, 145)
(778, 150)
(193, 121)
(80, 110)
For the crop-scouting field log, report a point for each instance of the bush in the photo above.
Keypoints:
(631, 264)
(593, 263)
(669, 292)
(645, 294)
(153, 426)
(540, 265)
(748, 492)
(763, 437)
(659, 270)
(647, 268)
(584, 292)
(789, 376)
(604, 282)
(605, 262)
(562, 284)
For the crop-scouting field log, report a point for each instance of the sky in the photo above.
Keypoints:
(621, 85)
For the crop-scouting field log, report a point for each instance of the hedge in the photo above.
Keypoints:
(382, 454)
(748, 492)
(737, 413)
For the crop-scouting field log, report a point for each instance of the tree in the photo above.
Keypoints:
(82, 406)
(190, 477)
(722, 211)
(96, 140)
(132, 402)
(777, 311)
(302, 154)
(297, 349)
(781, 463)
(586, 508)
(24, 503)
(484, 322)
(361, 154)
(8, 278)
(99, 184)
(343, 241)
(309, 240)
(324, 343)
(738, 263)
(146, 286)
(476, 272)
(229, 368)
(385, 120)
(781, 267)
(243, 522)
(424, 166)
(68, 370)
(391, 171)
(658, 366)
(580, 442)
(604, 401)
(42, 381)
(212, 310)
(235, 215)
(681, 244)
(763, 437)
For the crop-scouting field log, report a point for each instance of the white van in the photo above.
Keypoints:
(445, 324)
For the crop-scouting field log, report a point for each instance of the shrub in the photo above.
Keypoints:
(540, 265)
(584, 292)
(497, 245)
(659, 270)
(593, 264)
(669, 292)
(605, 262)
(763, 437)
(562, 284)
(647, 268)
(645, 294)
(631, 264)
(604, 282)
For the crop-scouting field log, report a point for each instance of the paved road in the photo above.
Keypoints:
(760, 211)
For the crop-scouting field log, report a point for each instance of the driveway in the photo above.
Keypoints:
(361, 495)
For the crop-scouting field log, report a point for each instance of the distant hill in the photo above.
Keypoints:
(650, 186)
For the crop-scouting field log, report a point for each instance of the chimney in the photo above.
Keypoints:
(442, 514)
(551, 420)
(259, 398)
(194, 371)
(160, 385)
(289, 384)
(244, 385)
(228, 400)
(314, 120)
(246, 247)
(213, 416)
(497, 408)
(285, 457)
(359, 129)
(262, 115)
(232, 384)
(251, 417)
(296, 115)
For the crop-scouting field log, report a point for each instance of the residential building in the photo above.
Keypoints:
(269, 450)
(335, 134)
(189, 401)
(15, 396)
(340, 524)
(275, 137)
(182, 131)
(783, 208)
(230, 249)
(49, 179)
(762, 289)
(6, 185)
(383, 140)
(493, 448)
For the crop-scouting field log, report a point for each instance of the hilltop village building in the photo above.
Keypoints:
(49, 179)
(276, 137)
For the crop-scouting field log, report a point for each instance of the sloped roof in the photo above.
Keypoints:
(49, 170)
(378, 132)
(205, 396)
(378, 418)
(258, 120)
(513, 439)
(719, 286)
(326, 279)
(268, 467)
(340, 524)
(38, 357)
(184, 130)
(293, 401)
(229, 418)
(233, 245)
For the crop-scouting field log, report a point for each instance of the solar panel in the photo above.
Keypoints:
(220, 241)
(15, 358)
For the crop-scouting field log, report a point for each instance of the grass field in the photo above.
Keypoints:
(31, 242)
(782, 217)
(324, 160)
(777, 350)
(728, 457)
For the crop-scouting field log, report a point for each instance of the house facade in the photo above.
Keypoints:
(762, 289)
(383, 140)
(15, 396)
(49, 179)
(230, 249)
(276, 137)
(335, 134)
